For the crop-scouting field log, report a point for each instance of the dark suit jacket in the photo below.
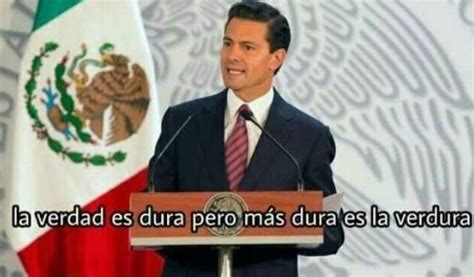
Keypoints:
(195, 162)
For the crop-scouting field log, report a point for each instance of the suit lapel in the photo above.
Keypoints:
(211, 124)
(277, 124)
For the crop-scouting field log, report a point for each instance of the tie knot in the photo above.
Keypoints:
(245, 112)
(244, 107)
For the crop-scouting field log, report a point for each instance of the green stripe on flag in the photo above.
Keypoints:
(47, 10)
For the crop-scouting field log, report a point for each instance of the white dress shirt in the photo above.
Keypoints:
(260, 108)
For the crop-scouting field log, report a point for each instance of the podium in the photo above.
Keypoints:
(225, 220)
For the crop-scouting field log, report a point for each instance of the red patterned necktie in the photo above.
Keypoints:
(236, 150)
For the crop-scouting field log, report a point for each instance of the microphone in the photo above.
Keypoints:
(248, 115)
(151, 187)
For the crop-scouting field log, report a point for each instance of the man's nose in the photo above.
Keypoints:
(234, 53)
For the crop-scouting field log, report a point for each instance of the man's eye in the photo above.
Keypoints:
(226, 43)
(248, 47)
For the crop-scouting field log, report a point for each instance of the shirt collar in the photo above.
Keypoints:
(260, 106)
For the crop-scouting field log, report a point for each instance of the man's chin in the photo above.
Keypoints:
(232, 86)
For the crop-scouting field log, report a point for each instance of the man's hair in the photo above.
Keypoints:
(278, 29)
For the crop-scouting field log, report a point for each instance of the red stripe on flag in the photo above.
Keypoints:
(93, 251)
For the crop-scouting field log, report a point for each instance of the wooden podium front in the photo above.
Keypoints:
(288, 202)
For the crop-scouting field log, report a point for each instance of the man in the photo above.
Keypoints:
(219, 151)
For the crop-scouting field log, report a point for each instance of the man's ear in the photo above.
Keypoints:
(277, 59)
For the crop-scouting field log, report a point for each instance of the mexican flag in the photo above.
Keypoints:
(86, 124)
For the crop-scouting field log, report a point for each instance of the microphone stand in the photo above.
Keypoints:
(248, 115)
(151, 186)
(225, 251)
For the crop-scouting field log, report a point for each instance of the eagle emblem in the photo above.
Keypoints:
(97, 100)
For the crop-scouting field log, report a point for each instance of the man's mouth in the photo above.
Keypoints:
(236, 72)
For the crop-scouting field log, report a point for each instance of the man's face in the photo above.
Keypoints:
(247, 65)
